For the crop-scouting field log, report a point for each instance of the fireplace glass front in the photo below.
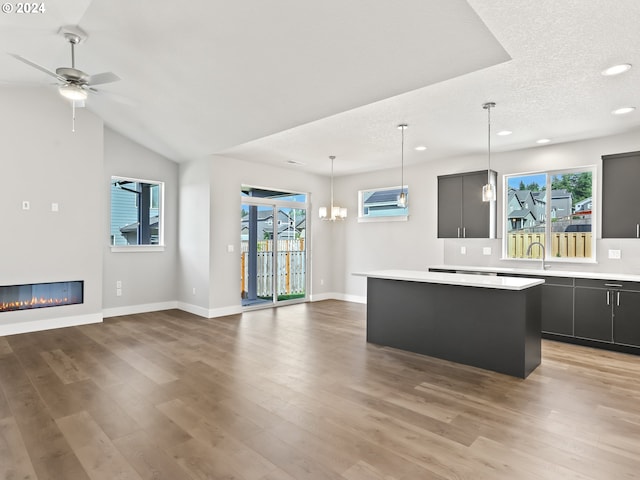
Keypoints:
(40, 295)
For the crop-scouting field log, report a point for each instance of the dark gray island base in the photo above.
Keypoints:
(491, 328)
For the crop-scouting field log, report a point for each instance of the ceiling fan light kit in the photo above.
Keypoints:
(72, 92)
(75, 85)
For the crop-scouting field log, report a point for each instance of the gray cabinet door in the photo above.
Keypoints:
(475, 212)
(620, 213)
(626, 320)
(461, 211)
(557, 309)
(449, 206)
(593, 314)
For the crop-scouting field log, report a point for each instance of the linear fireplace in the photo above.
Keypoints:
(40, 295)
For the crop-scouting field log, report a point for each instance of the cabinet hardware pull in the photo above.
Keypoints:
(464, 232)
(637, 230)
(613, 285)
(458, 232)
(618, 299)
(608, 298)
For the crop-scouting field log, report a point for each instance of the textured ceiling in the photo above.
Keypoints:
(284, 80)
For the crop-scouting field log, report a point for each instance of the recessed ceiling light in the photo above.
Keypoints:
(543, 140)
(623, 110)
(421, 148)
(504, 133)
(616, 69)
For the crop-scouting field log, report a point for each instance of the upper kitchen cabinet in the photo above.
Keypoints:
(620, 213)
(461, 211)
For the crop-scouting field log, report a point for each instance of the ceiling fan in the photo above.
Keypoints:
(74, 83)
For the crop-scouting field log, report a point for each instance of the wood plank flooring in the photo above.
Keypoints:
(296, 393)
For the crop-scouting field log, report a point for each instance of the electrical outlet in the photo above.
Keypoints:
(118, 283)
(322, 281)
(230, 248)
(118, 292)
(193, 291)
(486, 250)
(54, 207)
(615, 254)
(463, 250)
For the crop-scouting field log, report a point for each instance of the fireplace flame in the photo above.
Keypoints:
(33, 302)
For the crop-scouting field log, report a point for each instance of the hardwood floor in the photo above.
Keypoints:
(297, 393)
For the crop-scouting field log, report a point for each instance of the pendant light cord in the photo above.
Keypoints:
(488, 106)
(402, 162)
(332, 157)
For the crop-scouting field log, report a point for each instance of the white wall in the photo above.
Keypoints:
(149, 279)
(43, 162)
(193, 236)
(414, 244)
(221, 190)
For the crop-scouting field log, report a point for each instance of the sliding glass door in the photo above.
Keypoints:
(257, 275)
(274, 244)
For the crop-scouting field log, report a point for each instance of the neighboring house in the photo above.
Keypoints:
(289, 227)
(525, 209)
(382, 202)
(584, 206)
(124, 214)
(519, 219)
(130, 232)
(561, 204)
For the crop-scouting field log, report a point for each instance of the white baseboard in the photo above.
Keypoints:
(337, 296)
(49, 324)
(210, 312)
(133, 309)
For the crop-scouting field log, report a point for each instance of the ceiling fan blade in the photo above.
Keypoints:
(41, 68)
(102, 78)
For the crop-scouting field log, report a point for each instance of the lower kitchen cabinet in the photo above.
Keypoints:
(593, 314)
(608, 311)
(626, 319)
(557, 308)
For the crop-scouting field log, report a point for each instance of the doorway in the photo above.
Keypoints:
(273, 239)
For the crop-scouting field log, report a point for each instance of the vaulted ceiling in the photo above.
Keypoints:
(291, 82)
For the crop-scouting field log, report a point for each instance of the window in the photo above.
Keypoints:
(136, 212)
(382, 204)
(553, 209)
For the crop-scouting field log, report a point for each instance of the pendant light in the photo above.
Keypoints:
(489, 190)
(402, 198)
(336, 213)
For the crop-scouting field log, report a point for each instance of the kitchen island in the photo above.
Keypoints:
(484, 321)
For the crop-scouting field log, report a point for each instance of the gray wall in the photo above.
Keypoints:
(149, 278)
(43, 162)
(414, 245)
(209, 223)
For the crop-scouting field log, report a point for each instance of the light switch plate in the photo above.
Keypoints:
(486, 250)
(615, 254)
(26, 205)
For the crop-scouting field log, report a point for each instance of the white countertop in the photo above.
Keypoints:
(547, 273)
(461, 279)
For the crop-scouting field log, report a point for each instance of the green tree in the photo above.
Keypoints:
(578, 184)
(522, 185)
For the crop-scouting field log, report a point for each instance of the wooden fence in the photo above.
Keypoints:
(290, 279)
(563, 244)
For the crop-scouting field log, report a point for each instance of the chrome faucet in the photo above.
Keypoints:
(543, 253)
